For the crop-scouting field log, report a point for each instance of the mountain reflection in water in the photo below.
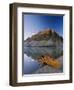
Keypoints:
(31, 64)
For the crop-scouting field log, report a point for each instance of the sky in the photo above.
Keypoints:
(34, 23)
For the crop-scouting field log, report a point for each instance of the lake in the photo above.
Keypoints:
(31, 65)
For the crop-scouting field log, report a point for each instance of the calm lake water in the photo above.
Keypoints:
(31, 55)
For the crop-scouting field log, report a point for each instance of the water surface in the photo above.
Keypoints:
(31, 65)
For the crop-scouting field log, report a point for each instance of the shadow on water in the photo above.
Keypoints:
(32, 65)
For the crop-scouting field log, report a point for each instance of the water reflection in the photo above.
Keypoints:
(31, 63)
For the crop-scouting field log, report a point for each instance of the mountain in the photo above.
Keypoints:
(47, 37)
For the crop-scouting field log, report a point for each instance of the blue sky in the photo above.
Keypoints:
(34, 23)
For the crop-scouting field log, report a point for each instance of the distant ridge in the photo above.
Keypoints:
(48, 37)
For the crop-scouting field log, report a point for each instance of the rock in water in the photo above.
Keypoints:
(50, 61)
